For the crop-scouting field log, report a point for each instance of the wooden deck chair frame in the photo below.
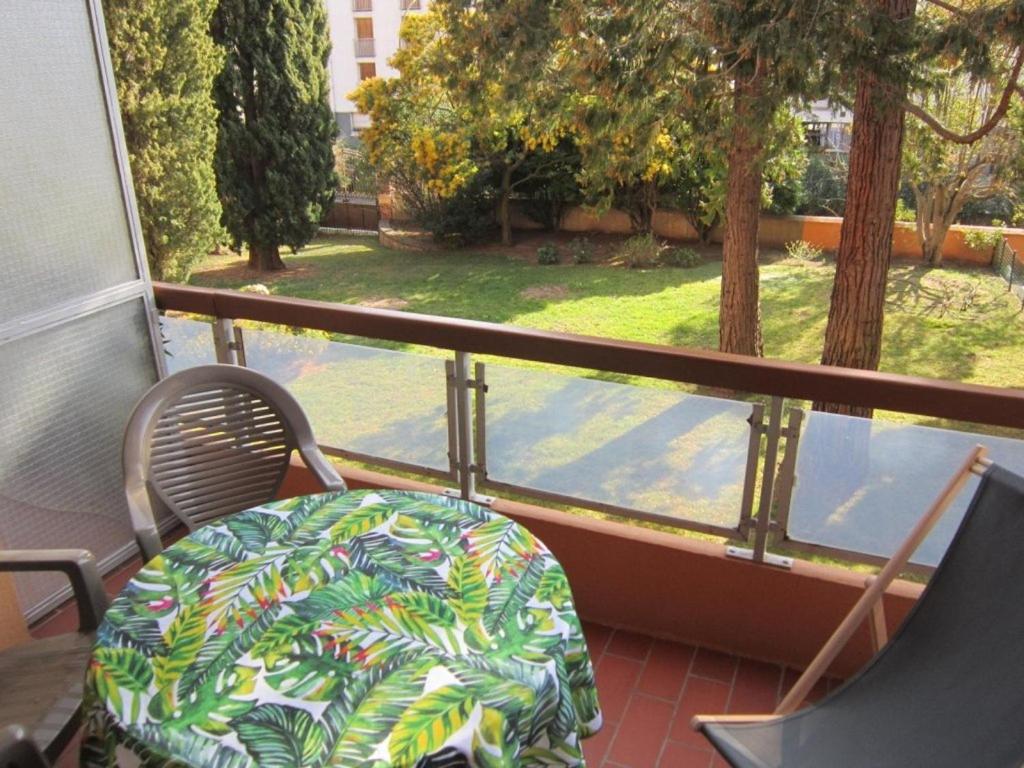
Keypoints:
(869, 606)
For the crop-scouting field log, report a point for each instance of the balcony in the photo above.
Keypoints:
(410, 5)
(362, 6)
(364, 48)
(675, 625)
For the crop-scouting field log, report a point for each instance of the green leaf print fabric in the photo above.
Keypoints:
(368, 628)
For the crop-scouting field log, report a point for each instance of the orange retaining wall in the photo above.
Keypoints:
(776, 231)
(678, 588)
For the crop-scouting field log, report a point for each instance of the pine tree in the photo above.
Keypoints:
(164, 64)
(275, 164)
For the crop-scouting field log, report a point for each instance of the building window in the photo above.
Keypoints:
(367, 69)
(362, 6)
(410, 5)
(364, 37)
(364, 28)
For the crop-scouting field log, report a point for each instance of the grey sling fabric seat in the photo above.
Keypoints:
(947, 690)
(41, 680)
(210, 441)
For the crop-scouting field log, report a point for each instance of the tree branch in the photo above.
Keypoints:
(969, 138)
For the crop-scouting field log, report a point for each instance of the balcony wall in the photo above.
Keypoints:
(678, 588)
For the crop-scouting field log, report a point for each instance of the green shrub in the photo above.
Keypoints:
(547, 254)
(641, 251)
(680, 257)
(801, 249)
(985, 239)
(581, 251)
(904, 212)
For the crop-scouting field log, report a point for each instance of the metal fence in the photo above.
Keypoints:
(761, 473)
(1006, 263)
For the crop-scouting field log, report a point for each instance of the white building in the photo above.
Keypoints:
(364, 35)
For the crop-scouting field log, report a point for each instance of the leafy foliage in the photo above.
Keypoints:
(680, 257)
(581, 250)
(164, 66)
(547, 254)
(274, 162)
(641, 251)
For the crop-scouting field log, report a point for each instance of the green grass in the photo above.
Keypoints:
(952, 323)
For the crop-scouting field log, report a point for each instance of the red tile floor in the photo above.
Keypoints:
(648, 689)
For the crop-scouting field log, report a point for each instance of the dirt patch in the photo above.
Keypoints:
(235, 268)
(545, 292)
(387, 303)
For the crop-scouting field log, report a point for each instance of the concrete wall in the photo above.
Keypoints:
(387, 18)
(683, 589)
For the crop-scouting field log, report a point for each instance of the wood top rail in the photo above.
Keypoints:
(873, 389)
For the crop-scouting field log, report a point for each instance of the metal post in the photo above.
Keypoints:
(223, 340)
(764, 509)
(453, 419)
(480, 437)
(464, 418)
(787, 470)
(756, 422)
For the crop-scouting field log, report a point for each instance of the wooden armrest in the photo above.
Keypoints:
(78, 565)
(700, 720)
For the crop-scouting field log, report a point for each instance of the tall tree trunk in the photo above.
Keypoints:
(853, 337)
(504, 205)
(739, 316)
(265, 258)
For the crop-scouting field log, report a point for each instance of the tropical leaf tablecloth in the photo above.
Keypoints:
(369, 628)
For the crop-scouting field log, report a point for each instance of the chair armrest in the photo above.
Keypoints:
(700, 721)
(78, 565)
(16, 748)
(324, 470)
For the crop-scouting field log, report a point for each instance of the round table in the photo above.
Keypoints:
(376, 628)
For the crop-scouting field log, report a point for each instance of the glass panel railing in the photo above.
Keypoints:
(678, 456)
(375, 402)
(187, 343)
(861, 484)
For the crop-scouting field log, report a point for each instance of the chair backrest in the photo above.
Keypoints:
(948, 689)
(209, 441)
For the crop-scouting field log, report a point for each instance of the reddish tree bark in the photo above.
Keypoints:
(853, 337)
(265, 258)
(739, 316)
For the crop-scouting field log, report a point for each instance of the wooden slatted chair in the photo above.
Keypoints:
(211, 441)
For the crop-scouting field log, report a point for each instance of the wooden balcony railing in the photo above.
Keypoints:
(895, 392)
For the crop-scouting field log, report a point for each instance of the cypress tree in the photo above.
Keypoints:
(275, 165)
(164, 64)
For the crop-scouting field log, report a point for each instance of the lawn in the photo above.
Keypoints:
(952, 323)
(590, 437)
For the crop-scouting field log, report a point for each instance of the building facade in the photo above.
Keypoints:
(364, 36)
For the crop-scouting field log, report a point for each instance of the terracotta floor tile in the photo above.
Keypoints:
(596, 747)
(714, 665)
(756, 690)
(678, 755)
(700, 697)
(616, 678)
(666, 669)
(629, 644)
(597, 638)
(789, 678)
(642, 732)
(718, 761)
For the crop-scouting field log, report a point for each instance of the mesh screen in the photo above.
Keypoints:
(65, 233)
(68, 392)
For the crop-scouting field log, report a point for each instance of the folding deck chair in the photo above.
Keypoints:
(948, 689)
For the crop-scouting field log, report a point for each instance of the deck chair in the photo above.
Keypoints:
(210, 441)
(41, 680)
(948, 689)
